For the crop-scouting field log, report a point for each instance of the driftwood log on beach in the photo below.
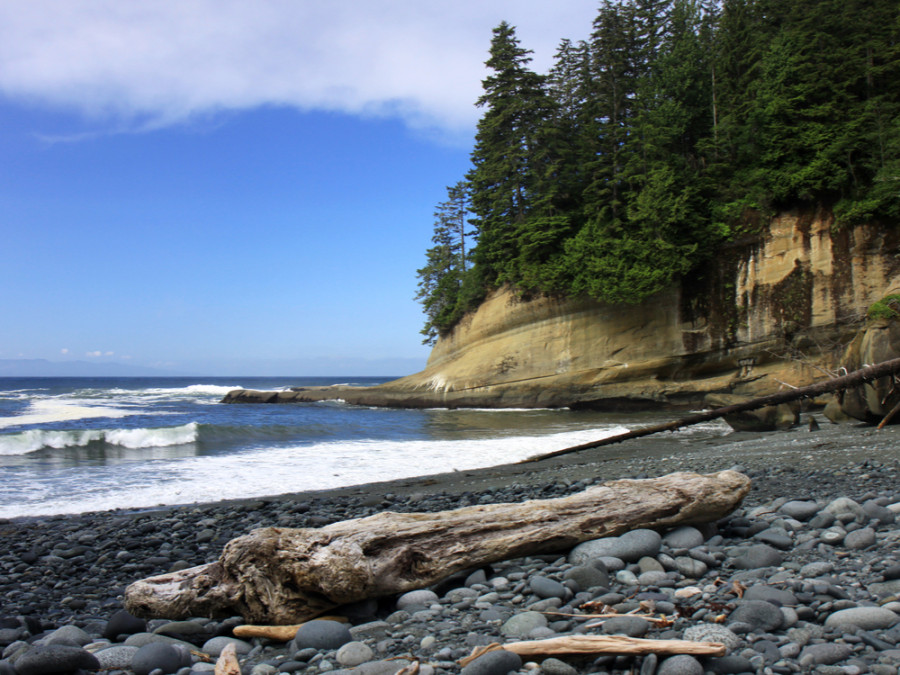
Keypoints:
(855, 379)
(284, 576)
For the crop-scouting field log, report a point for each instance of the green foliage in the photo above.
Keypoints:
(677, 126)
(886, 308)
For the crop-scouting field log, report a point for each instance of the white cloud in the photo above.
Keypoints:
(64, 351)
(94, 353)
(143, 64)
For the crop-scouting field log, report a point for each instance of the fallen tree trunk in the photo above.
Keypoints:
(284, 576)
(600, 644)
(854, 379)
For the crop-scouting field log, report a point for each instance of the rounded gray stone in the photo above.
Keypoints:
(680, 664)
(860, 539)
(117, 657)
(776, 596)
(421, 598)
(867, 618)
(547, 588)
(520, 625)
(498, 662)
(824, 654)
(712, 632)
(156, 656)
(322, 634)
(552, 666)
(760, 614)
(845, 506)
(756, 556)
(690, 567)
(53, 659)
(67, 635)
(685, 536)
(354, 653)
(799, 510)
(632, 626)
(629, 547)
(588, 576)
(214, 646)
(651, 578)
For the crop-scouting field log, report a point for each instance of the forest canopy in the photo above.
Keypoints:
(652, 144)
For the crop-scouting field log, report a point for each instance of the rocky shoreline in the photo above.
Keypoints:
(804, 577)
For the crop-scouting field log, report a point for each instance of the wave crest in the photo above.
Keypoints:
(33, 440)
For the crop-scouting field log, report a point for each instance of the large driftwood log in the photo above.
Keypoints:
(854, 379)
(283, 576)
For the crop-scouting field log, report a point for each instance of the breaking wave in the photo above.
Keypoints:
(33, 440)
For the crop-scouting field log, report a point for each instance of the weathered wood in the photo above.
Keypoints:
(228, 662)
(284, 576)
(600, 644)
(854, 379)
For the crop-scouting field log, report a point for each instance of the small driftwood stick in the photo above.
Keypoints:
(286, 576)
(601, 644)
(228, 662)
(854, 379)
(280, 633)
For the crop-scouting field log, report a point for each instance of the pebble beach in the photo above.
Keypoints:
(803, 577)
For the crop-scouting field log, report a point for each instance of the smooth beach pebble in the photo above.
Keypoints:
(423, 598)
(54, 659)
(322, 634)
(156, 655)
(681, 664)
(867, 618)
(498, 662)
(354, 654)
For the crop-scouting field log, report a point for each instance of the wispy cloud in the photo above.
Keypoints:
(149, 65)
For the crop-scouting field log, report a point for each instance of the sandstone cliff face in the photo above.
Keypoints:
(798, 286)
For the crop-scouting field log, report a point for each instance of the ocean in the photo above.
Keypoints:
(73, 445)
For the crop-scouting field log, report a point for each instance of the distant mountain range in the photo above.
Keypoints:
(45, 368)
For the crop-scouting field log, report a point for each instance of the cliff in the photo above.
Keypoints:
(799, 287)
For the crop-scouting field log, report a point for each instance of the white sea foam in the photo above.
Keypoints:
(52, 410)
(268, 471)
(33, 440)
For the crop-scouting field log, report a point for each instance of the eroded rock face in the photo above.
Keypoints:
(879, 341)
(800, 285)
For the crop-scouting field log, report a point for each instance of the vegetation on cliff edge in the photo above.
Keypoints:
(654, 142)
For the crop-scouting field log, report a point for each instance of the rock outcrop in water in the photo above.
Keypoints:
(801, 287)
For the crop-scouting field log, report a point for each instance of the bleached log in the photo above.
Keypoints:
(285, 576)
(601, 644)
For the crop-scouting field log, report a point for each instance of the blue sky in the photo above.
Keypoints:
(220, 187)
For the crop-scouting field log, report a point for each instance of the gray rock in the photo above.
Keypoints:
(680, 664)
(6, 668)
(421, 598)
(816, 569)
(263, 669)
(759, 614)
(322, 634)
(844, 506)
(156, 655)
(629, 547)
(800, 510)
(588, 576)
(876, 511)
(547, 588)
(117, 657)
(651, 578)
(690, 567)
(824, 654)
(712, 632)
(214, 646)
(684, 537)
(498, 662)
(67, 635)
(731, 664)
(860, 539)
(756, 556)
(521, 625)
(883, 589)
(867, 618)
(771, 594)
(553, 666)
(141, 639)
(52, 659)
(354, 654)
(632, 626)
(123, 623)
(377, 630)
(775, 536)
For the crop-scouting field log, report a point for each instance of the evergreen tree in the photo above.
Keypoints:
(502, 178)
(441, 279)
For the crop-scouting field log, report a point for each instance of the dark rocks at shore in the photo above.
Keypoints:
(804, 577)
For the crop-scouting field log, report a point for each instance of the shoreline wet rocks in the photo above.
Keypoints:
(803, 577)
